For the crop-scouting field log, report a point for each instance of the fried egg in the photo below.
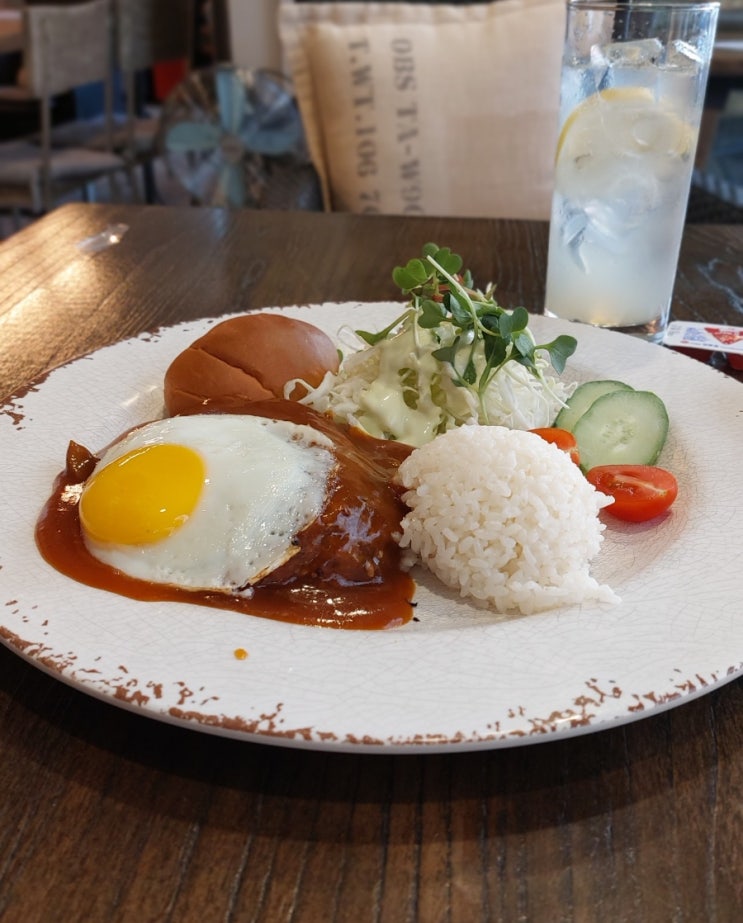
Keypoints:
(205, 502)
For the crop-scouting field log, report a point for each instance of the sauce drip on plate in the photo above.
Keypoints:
(347, 573)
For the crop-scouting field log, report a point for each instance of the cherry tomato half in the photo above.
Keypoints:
(561, 438)
(640, 492)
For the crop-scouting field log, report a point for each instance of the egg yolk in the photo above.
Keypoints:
(143, 496)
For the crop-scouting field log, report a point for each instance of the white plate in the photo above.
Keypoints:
(459, 678)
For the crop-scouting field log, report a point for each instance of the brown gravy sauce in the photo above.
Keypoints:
(346, 573)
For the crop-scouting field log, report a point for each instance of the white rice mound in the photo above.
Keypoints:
(504, 517)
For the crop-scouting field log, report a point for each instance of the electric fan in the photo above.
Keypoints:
(233, 138)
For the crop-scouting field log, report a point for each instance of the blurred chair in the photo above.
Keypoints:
(148, 32)
(65, 47)
(144, 33)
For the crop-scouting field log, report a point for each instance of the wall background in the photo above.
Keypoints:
(254, 33)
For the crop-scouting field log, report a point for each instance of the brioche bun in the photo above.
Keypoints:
(248, 358)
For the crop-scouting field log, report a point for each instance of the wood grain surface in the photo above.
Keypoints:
(106, 815)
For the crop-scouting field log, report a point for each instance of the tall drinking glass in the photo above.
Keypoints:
(632, 93)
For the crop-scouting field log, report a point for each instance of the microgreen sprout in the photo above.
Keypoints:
(479, 336)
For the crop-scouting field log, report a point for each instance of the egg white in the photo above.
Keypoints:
(265, 481)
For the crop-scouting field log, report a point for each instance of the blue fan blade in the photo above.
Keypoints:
(271, 141)
(230, 189)
(192, 136)
(230, 99)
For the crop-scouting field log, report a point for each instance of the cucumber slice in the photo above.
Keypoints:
(582, 398)
(622, 427)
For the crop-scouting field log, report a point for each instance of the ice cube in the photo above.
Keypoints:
(638, 53)
(572, 231)
(611, 221)
(679, 84)
(683, 56)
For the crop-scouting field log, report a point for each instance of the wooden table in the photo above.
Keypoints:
(109, 816)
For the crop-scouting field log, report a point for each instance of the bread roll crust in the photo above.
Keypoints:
(248, 358)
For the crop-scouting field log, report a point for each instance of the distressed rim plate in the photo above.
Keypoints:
(458, 678)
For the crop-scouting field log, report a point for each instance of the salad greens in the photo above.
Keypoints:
(441, 294)
(454, 356)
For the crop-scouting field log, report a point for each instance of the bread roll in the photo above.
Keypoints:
(248, 358)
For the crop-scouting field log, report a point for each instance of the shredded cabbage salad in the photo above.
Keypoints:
(454, 357)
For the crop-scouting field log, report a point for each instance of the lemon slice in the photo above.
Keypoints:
(622, 128)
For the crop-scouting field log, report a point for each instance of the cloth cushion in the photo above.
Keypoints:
(427, 108)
